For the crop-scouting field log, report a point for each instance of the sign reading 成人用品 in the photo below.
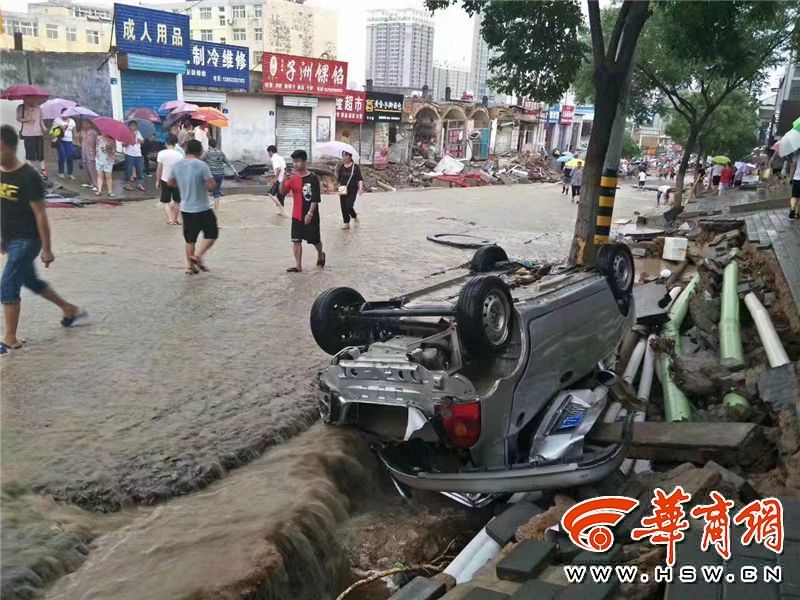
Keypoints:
(289, 74)
(383, 107)
(159, 33)
(350, 107)
(218, 65)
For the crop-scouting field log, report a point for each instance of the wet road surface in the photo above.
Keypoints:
(178, 379)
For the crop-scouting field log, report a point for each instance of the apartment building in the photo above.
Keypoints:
(58, 27)
(400, 48)
(457, 78)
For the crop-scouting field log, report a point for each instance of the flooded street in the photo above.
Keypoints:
(179, 379)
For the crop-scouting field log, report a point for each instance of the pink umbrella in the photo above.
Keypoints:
(81, 111)
(147, 114)
(23, 90)
(114, 129)
(53, 107)
(184, 107)
(170, 104)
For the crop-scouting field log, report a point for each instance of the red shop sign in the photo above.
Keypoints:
(288, 74)
(567, 112)
(350, 107)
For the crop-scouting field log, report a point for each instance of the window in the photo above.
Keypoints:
(258, 33)
(238, 12)
(72, 35)
(52, 32)
(28, 28)
(205, 13)
(206, 35)
(92, 36)
(239, 35)
(257, 11)
(221, 9)
(222, 40)
(257, 57)
(222, 20)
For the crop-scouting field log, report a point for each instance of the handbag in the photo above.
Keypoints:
(343, 188)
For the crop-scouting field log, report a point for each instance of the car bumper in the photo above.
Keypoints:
(522, 478)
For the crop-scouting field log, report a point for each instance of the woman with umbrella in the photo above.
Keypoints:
(33, 130)
(351, 183)
(65, 144)
(89, 151)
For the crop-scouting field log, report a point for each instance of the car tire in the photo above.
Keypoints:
(615, 263)
(484, 315)
(486, 257)
(330, 324)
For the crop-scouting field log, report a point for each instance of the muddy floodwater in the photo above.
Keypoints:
(179, 379)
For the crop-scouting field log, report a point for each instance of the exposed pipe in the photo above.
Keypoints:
(648, 364)
(731, 355)
(737, 404)
(480, 550)
(766, 331)
(675, 292)
(636, 359)
(676, 405)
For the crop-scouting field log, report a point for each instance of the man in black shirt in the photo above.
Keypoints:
(24, 233)
(306, 196)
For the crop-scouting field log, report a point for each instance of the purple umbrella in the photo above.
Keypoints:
(53, 107)
(81, 111)
(143, 113)
(184, 107)
(170, 104)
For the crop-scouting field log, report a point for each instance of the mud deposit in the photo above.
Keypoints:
(178, 380)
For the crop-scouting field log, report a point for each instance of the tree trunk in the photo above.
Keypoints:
(681, 176)
(610, 76)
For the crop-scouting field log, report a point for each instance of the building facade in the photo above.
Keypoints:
(285, 26)
(479, 67)
(399, 48)
(787, 98)
(52, 27)
(456, 78)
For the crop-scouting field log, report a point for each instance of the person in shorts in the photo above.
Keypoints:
(716, 176)
(24, 236)
(32, 130)
(217, 161)
(170, 196)
(306, 196)
(575, 181)
(194, 180)
(279, 170)
(104, 161)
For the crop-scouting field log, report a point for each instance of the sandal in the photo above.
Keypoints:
(127, 187)
(191, 271)
(141, 188)
(293, 270)
(112, 195)
(321, 261)
(81, 315)
(200, 263)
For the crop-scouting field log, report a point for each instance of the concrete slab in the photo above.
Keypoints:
(420, 588)
(504, 526)
(526, 560)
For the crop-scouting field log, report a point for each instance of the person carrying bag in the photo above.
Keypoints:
(348, 188)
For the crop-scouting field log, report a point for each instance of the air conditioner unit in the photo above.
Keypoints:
(230, 21)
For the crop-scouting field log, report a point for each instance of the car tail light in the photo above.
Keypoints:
(462, 423)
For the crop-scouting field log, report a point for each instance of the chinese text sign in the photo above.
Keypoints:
(288, 74)
(151, 32)
(218, 65)
(350, 107)
(383, 107)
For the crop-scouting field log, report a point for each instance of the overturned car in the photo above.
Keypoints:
(482, 384)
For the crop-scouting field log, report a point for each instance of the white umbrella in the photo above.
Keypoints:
(789, 143)
(81, 111)
(51, 109)
(335, 149)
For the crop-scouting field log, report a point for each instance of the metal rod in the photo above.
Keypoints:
(407, 312)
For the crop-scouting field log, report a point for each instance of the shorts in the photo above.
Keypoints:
(275, 190)
(796, 188)
(34, 147)
(715, 180)
(306, 233)
(576, 190)
(20, 270)
(103, 165)
(169, 193)
(194, 223)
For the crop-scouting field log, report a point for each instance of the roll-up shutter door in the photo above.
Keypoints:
(367, 137)
(502, 141)
(293, 130)
(148, 89)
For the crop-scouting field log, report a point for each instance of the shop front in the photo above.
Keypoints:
(368, 121)
(479, 133)
(152, 51)
(454, 135)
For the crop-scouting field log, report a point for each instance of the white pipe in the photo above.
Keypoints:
(612, 412)
(646, 378)
(675, 292)
(766, 331)
(477, 553)
(636, 359)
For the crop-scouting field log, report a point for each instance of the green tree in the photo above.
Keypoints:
(696, 54)
(630, 148)
(540, 50)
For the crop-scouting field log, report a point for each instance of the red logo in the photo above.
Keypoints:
(589, 523)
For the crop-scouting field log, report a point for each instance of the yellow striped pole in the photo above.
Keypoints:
(605, 206)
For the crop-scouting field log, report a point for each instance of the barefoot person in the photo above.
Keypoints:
(305, 188)
(279, 170)
(194, 180)
(24, 233)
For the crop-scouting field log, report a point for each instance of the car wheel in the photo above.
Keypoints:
(486, 257)
(484, 315)
(331, 325)
(615, 263)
